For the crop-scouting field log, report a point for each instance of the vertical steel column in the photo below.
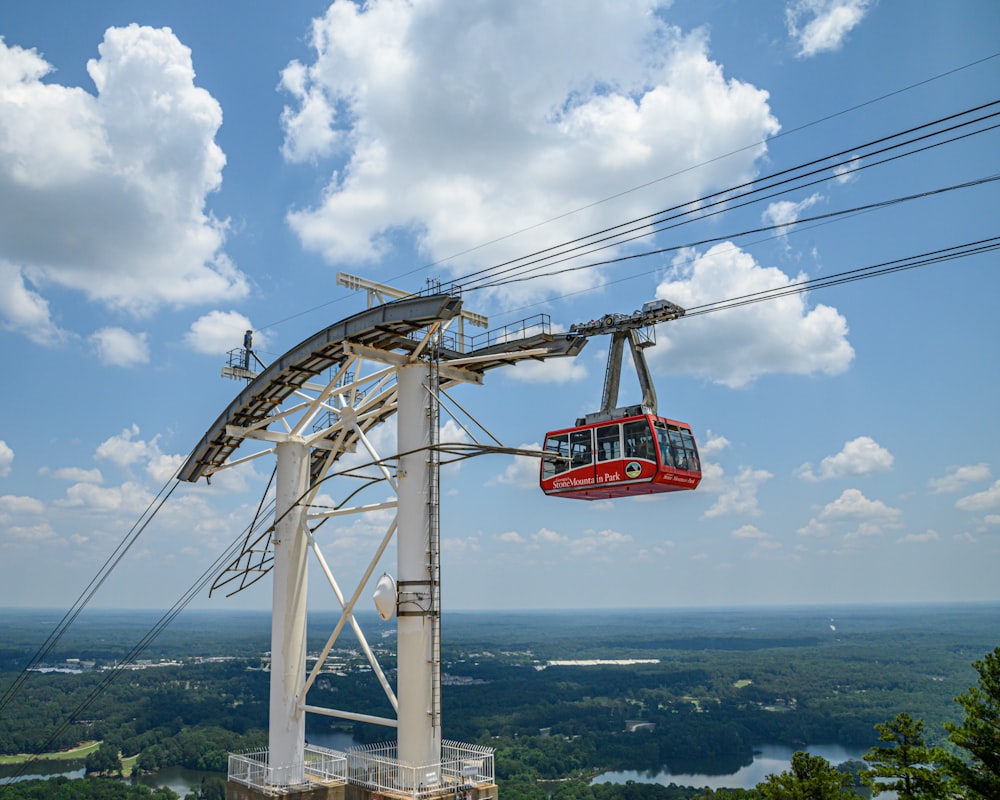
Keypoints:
(419, 732)
(286, 722)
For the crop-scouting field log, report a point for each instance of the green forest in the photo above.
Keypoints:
(718, 684)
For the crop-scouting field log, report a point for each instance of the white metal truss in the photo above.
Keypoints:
(315, 408)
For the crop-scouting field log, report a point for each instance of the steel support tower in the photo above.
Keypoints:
(311, 408)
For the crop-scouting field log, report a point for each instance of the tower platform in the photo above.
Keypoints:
(368, 772)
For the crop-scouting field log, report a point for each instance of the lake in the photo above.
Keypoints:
(767, 760)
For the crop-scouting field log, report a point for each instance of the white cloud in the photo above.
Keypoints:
(125, 449)
(445, 144)
(597, 542)
(522, 472)
(748, 532)
(847, 172)
(871, 516)
(919, 538)
(127, 498)
(548, 536)
(6, 459)
(820, 26)
(853, 504)
(957, 478)
(785, 212)
(739, 494)
(118, 347)
(23, 310)
(457, 547)
(861, 456)
(511, 537)
(106, 193)
(713, 444)
(78, 475)
(981, 501)
(553, 370)
(32, 533)
(19, 504)
(161, 467)
(736, 346)
(218, 332)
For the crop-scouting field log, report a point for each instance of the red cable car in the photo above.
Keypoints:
(641, 454)
(617, 452)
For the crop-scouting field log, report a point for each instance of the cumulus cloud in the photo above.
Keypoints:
(919, 538)
(126, 448)
(861, 456)
(713, 444)
(118, 347)
(820, 26)
(23, 310)
(852, 507)
(19, 504)
(957, 478)
(77, 475)
(748, 532)
(739, 494)
(6, 459)
(736, 346)
(218, 332)
(598, 542)
(981, 501)
(522, 472)
(106, 193)
(128, 498)
(442, 143)
(31, 533)
(553, 370)
(785, 212)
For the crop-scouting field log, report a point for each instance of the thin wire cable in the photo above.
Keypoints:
(185, 599)
(761, 229)
(91, 589)
(696, 208)
(617, 195)
(707, 162)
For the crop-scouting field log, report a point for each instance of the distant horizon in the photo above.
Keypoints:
(901, 604)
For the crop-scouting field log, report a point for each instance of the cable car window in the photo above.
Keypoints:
(558, 462)
(582, 448)
(690, 449)
(663, 440)
(609, 442)
(680, 453)
(639, 440)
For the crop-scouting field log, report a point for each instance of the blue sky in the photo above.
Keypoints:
(172, 173)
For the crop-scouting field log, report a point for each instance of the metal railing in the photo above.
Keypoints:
(253, 769)
(378, 768)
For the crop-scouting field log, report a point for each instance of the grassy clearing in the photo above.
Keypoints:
(128, 764)
(80, 751)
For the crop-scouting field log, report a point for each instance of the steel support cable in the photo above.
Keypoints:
(777, 136)
(722, 195)
(136, 650)
(831, 215)
(527, 274)
(884, 268)
(698, 213)
(707, 162)
(91, 589)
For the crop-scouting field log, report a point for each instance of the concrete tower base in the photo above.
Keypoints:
(238, 791)
(480, 792)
